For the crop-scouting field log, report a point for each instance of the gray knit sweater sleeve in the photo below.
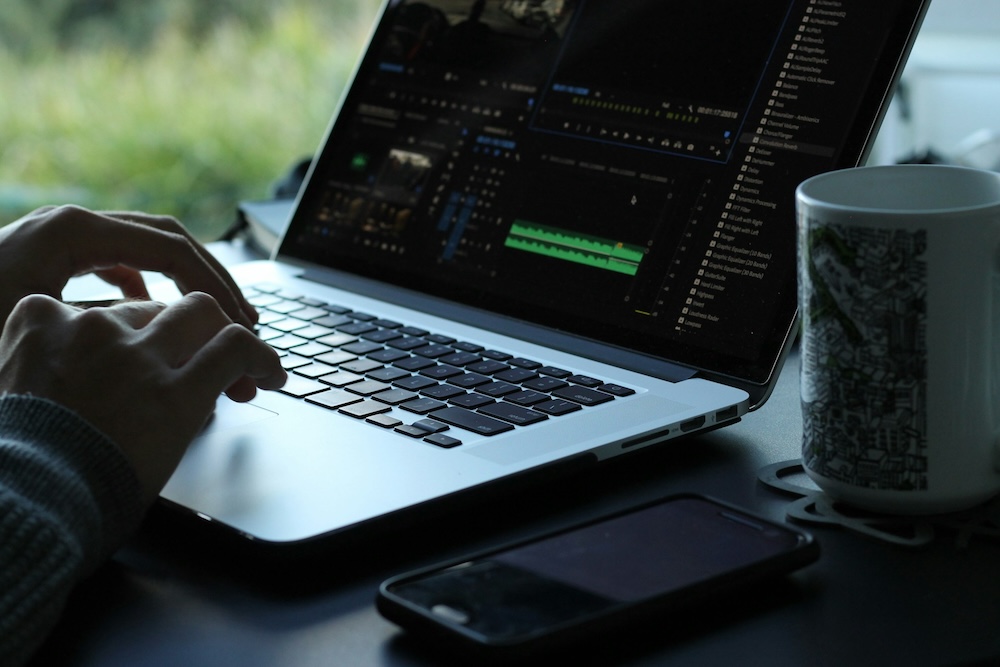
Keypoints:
(68, 498)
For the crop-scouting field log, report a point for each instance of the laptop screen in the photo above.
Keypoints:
(622, 170)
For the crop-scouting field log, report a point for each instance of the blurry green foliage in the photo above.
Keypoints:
(181, 107)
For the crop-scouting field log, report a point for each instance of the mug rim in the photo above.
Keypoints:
(804, 192)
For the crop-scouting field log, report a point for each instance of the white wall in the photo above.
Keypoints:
(952, 87)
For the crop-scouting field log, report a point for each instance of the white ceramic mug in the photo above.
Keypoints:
(899, 294)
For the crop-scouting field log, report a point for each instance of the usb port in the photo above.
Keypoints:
(727, 414)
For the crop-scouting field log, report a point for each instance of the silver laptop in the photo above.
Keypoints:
(538, 234)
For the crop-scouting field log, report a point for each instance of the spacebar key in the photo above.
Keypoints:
(471, 421)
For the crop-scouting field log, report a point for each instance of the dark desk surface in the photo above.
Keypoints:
(864, 603)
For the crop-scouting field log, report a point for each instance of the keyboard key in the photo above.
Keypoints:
(552, 371)
(442, 391)
(545, 384)
(337, 339)
(263, 300)
(414, 383)
(333, 399)
(414, 364)
(309, 312)
(430, 426)
(439, 339)
(441, 372)
(433, 351)
(616, 389)
(442, 440)
(368, 387)
(289, 324)
(268, 334)
(341, 379)
(469, 380)
(413, 331)
(388, 374)
(407, 343)
(467, 347)
(584, 381)
(335, 358)
(265, 317)
(526, 398)
(361, 347)
(582, 395)
(290, 362)
(422, 406)
(385, 421)
(313, 331)
(388, 356)
(411, 431)
(382, 335)
(515, 375)
(488, 367)
(314, 370)
(394, 396)
(286, 342)
(386, 324)
(557, 407)
(361, 366)
(471, 401)
(460, 358)
(364, 409)
(285, 307)
(521, 362)
(472, 421)
(498, 389)
(311, 349)
(331, 321)
(356, 328)
(514, 414)
(300, 386)
(496, 355)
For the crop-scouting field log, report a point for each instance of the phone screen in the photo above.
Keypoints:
(647, 554)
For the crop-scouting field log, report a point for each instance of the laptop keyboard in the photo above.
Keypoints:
(367, 367)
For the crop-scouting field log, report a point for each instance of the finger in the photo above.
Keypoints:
(137, 314)
(129, 281)
(104, 242)
(171, 225)
(232, 360)
(186, 325)
(242, 390)
(37, 310)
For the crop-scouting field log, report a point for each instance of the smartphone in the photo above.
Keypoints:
(529, 597)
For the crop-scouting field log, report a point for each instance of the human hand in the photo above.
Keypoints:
(42, 251)
(145, 374)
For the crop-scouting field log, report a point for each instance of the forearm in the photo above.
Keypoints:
(68, 497)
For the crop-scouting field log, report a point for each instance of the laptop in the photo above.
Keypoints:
(539, 234)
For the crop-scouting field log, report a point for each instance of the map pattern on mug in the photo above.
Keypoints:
(864, 355)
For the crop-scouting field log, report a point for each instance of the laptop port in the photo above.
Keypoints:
(727, 414)
(692, 424)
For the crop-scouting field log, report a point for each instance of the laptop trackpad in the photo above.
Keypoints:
(229, 414)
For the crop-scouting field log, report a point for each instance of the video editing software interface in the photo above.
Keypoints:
(619, 168)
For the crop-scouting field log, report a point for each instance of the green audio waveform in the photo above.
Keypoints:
(573, 247)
